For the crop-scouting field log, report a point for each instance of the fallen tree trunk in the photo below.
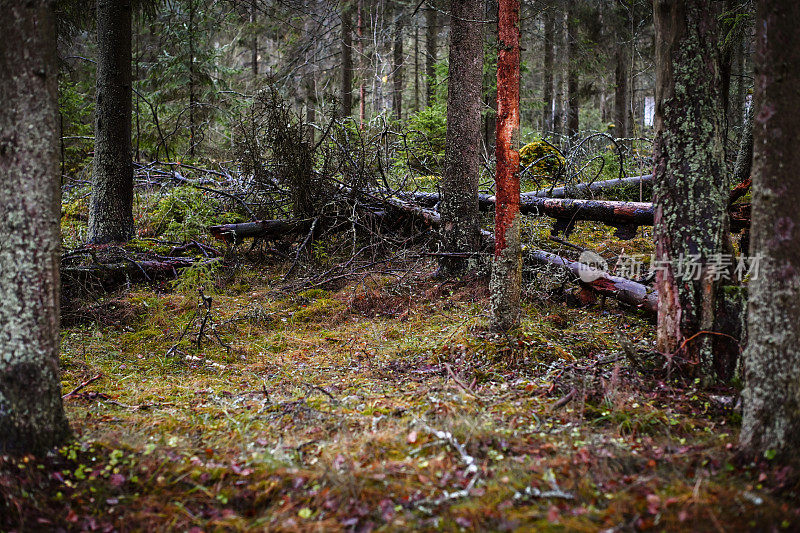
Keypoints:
(623, 215)
(595, 187)
(622, 289)
(112, 275)
(265, 229)
(608, 211)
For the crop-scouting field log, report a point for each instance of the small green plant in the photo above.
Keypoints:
(184, 213)
(199, 276)
(427, 132)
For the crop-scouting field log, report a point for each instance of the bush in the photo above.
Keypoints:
(184, 213)
(541, 159)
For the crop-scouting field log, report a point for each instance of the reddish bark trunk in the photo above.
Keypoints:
(507, 264)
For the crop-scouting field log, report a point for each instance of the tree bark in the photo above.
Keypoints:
(460, 231)
(771, 398)
(254, 39)
(192, 126)
(362, 92)
(506, 281)
(31, 414)
(347, 59)
(490, 87)
(431, 45)
(397, 66)
(690, 190)
(573, 101)
(547, 74)
(111, 206)
(621, 125)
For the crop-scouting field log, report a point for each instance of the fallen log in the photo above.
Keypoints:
(112, 275)
(594, 187)
(625, 216)
(622, 289)
(265, 229)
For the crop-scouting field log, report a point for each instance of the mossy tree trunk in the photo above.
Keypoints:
(460, 229)
(506, 282)
(690, 188)
(772, 357)
(31, 414)
(111, 207)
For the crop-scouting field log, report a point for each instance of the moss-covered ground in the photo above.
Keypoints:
(382, 403)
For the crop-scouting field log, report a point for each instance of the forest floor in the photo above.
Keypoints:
(379, 401)
(382, 406)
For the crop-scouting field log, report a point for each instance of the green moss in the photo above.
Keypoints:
(541, 159)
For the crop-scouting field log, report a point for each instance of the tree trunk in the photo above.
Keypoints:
(362, 94)
(573, 102)
(347, 60)
(254, 40)
(490, 113)
(460, 231)
(547, 74)
(432, 32)
(771, 418)
(560, 75)
(31, 414)
(690, 191)
(416, 66)
(111, 207)
(621, 126)
(397, 66)
(190, 31)
(506, 282)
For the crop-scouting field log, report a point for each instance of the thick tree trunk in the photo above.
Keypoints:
(431, 37)
(31, 414)
(573, 102)
(111, 207)
(771, 397)
(547, 74)
(506, 281)
(460, 231)
(690, 191)
(347, 60)
(397, 64)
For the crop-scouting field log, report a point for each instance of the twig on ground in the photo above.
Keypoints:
(82, 385)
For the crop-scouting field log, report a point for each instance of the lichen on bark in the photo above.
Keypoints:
(460, 229)
(771, 397)
(31, 413)
(690, 186)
